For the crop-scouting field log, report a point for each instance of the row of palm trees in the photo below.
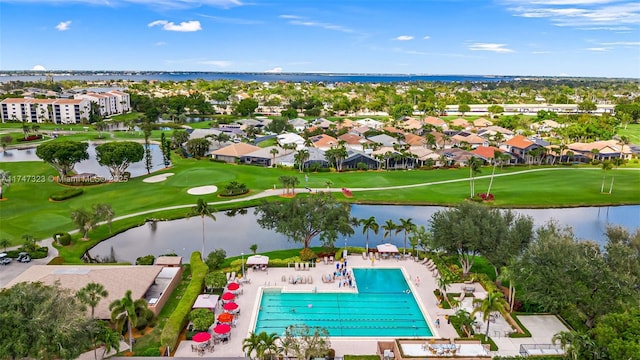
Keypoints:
(370, 224)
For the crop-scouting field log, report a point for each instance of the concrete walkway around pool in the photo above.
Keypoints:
(542, 327)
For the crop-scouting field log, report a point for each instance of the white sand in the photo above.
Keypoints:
(201, 190)
(157, 178)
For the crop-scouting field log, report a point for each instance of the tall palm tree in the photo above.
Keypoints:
(406, 225)
(273, 153)
(369, 224)
(615, 162)
(497, 156)
(251, 344)
(576, 345)
(465, 320)
(124, 311)
(268, 343)
(389, 226)
(301, 156)
(203, 210)
(606, 165)
(91, 295)
(474, 168)
(494, 302)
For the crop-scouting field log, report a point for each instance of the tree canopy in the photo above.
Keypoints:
(198, 147)
(117, 156)
(63, 154)
(304, 218)
(472, 229)
(42, 322)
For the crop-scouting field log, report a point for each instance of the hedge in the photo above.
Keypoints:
(180, 315)
(63, 238)
(66, 194)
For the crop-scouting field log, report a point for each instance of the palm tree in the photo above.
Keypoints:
(369, 224)
(443, 284)
(268, 343)
(251, 344)
(84, 220)
(203, 210)
(5, 182)
(474, 168)
(576, 345)
(91, 295)
(616, 162)
(606, 165)
(254, 248)
(4, 243)
(124, 311)
(273, 152)
(494, 302)
(109, 338)
(389, 226)
(497, 156)
(301, 156)
(405, 225)
(465, 320)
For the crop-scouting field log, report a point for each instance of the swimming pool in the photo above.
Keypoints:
(382, 307)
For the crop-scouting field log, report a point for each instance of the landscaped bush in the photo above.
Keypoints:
(63, 238)
(283, 262)
(66, 194)
(30, 138)
(201, 319)
(145, 260)
(39, 253)
(307, 255)
(152, 352)
(179, 317)
(234, 188)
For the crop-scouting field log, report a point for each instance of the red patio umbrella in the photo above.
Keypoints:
(233, 286)
(201, 337)
(225, 318)
(228, 296)
(230, 306)
(222, 329)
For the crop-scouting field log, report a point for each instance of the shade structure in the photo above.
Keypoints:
(228, 296)
(230, 306)
(225, 318)
(258, 260)
(387, 248)
(222, 329)
(233, 286)
(201, 337)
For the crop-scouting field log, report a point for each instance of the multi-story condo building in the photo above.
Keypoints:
(63, 111)
(111, 103)
(58, 111)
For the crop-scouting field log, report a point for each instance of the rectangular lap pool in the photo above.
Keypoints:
(383, 307)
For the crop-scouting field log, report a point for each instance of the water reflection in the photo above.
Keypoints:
(91, 165)
(236, 231)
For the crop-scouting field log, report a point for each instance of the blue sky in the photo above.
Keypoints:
(475, 37)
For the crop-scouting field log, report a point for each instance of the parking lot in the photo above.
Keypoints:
(15, 268)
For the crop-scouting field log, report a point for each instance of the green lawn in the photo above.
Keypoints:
(632, 132)
(28, 210)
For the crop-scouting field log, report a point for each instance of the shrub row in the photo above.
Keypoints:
(180, 315)
(30, 138)
(66, 194)
(39, 253)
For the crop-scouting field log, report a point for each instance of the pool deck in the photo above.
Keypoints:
(542, 327)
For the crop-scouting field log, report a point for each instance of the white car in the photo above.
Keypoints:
(4, 259)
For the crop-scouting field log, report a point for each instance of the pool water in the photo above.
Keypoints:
(382, 307)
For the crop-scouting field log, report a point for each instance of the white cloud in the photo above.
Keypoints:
(585, 14)
(426, 37)
(161, 43)
(63, 25)
(274, 70)
(493, 47)
(404, 38)
(540, 52)
(185, 26)
(38, 68)
(286, 16)
(301, 21)
(623, 43)
(598, 49)
(218, 63)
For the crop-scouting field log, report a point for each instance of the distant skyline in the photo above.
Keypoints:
(590, 38)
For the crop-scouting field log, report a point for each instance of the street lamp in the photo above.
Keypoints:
(243, 274)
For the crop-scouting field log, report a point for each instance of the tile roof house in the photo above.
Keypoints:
(413, 139)
(481, 122)
(360, 130)
(263, 156)
(607, 149)
(324, 142)
(518, 146)
(486, 153)
(299, 124)
(234, 152)
(375, 124)
(316, 156)
(435, 121)
(385, 140)
(465, 137)
(353, 141)
(461, 123)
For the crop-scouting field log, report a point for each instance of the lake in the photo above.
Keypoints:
(235, 234)
(91, 165)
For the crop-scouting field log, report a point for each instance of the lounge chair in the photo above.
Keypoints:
(291, 279)
(304, 266)
(325, 260)
(331, 259)
(364, 256)
(228, 276)
(233, 276)
(297, 266)
(303, 280)
(425, 261)
(310, 280)
(377, 255)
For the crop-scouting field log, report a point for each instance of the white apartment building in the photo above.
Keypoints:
(111, 102)
(57, 111)
(63, 111)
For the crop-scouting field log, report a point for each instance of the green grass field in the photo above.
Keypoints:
(632, 132)
(27, 209)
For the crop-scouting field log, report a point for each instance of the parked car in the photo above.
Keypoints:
(4, 259)
(24, 257)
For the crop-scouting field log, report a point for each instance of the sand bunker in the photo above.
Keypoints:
(201, 190)
(157, 178)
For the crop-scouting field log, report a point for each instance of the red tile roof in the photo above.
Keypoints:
(485, 151)
(519, 142)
